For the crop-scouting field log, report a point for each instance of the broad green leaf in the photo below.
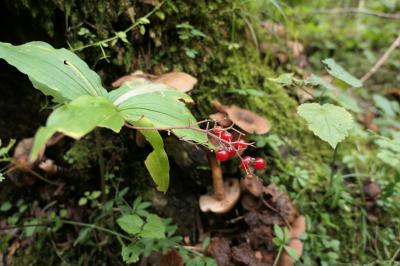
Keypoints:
(338, 72)
(131, 253)
(291, 252)
(77, 118)
(329, 122)
(162, 106)
(157, 161)
(130, 223)
(153, 228)
(56, 72)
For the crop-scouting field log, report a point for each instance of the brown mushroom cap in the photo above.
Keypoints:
(248, 120)
(135, 75)
(178, 80)
(208, 203)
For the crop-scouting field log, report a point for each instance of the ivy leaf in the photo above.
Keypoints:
(131, 253)
(338, 72)
(56, 72)
(291, 252)
(154, 227)
(329, 122)
(130, 223)
(77, 118)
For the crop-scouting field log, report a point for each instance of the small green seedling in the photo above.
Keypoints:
(281, 240)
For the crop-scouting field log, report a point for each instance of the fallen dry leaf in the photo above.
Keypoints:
(220, 249)
(172, 258)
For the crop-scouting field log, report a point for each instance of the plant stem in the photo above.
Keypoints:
(333, 166)
(115, 37)
(218, 182)
(97, 228)
(99, 152)
(278, 255)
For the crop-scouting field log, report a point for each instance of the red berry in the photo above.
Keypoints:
(240, 144)
(226, 136)
(246, 162)
(231, 152)
(222, 155)
(217, 131)
(259, 163)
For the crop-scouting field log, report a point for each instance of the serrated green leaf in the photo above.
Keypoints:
(131, 253)
(130, 223)
(154, 227)
(338, 72)
(291, 252)
(329, 122)
(77, 118)
(49, 72)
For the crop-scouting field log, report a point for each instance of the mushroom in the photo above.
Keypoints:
(21, 174)
(180, 81)
(225, 194)
(243, 118)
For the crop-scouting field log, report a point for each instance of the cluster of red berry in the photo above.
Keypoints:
(230, 151)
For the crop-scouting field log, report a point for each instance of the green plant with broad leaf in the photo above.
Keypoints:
(85, 104)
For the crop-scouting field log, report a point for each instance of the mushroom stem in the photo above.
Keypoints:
(218, 182)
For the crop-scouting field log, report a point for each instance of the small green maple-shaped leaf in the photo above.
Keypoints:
(329, 122)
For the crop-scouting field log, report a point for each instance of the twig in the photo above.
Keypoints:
(382, 60)
(357, 11)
